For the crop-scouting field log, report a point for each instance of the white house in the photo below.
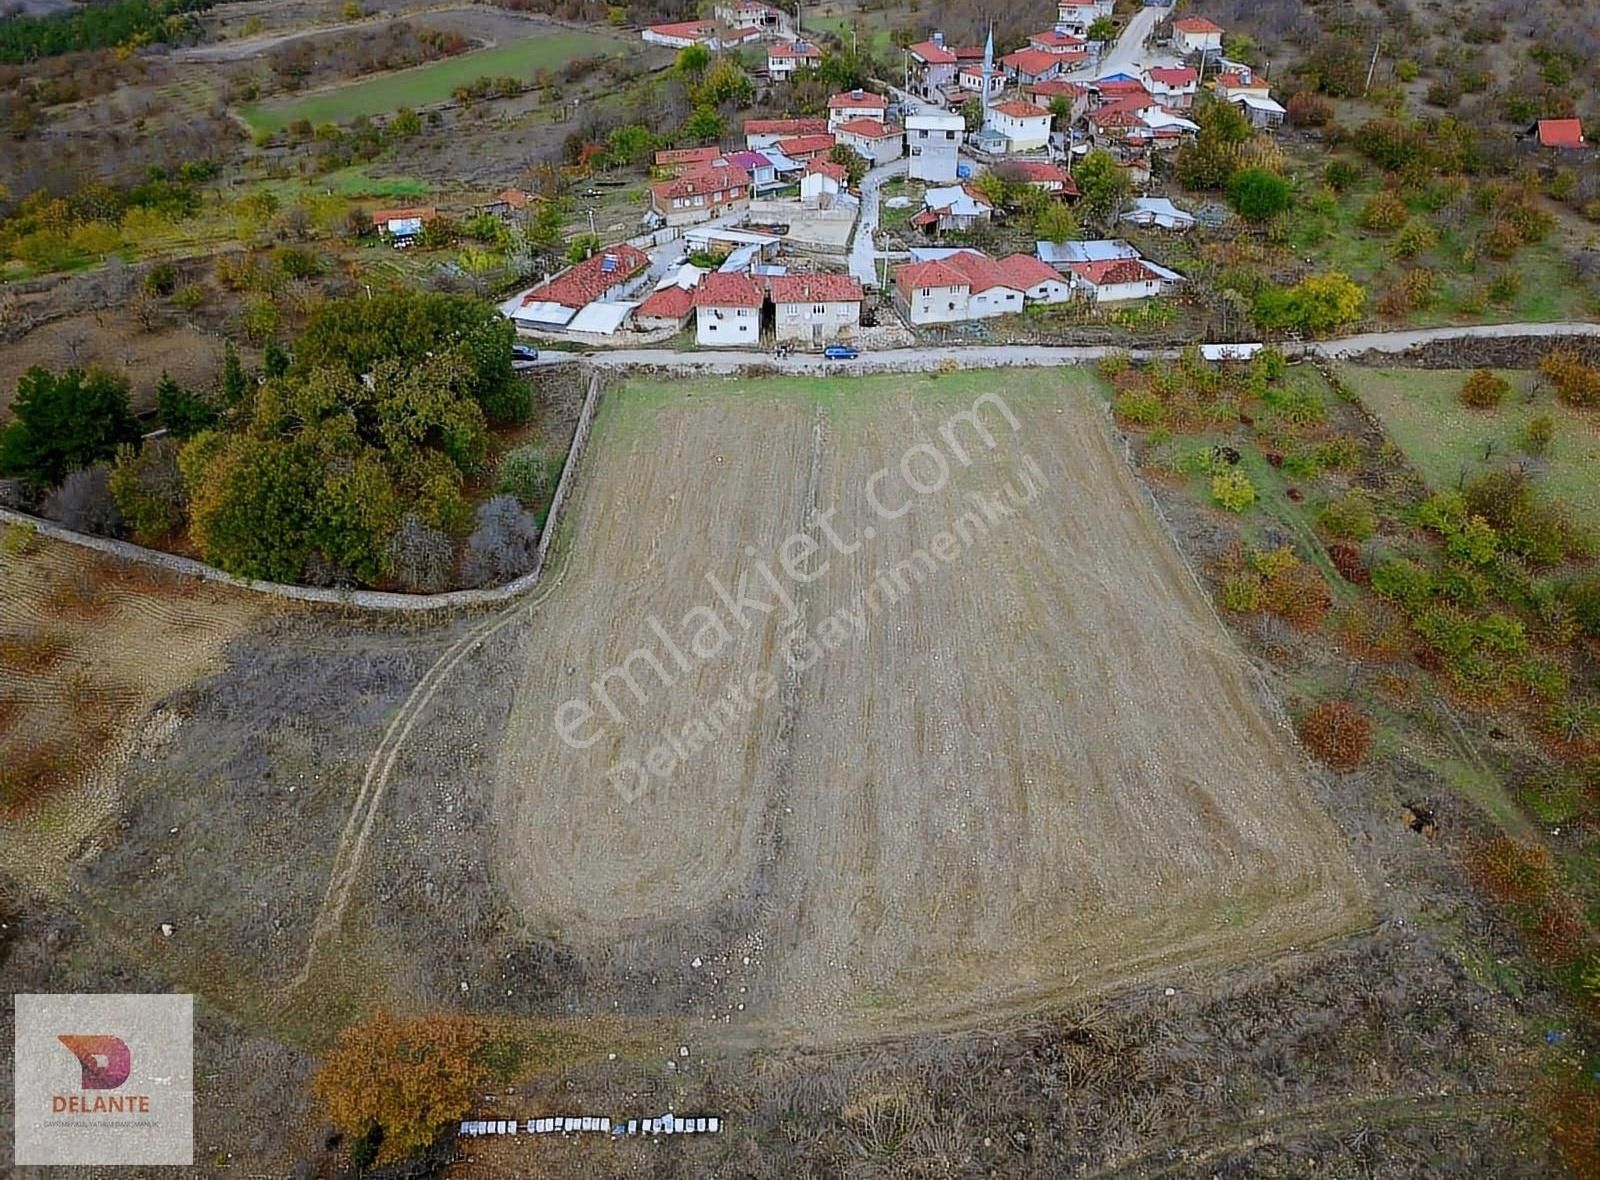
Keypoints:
(1117, 281)
(1195, 34)
(822, 179)
(1026, 127)
(727, 311)
(1173, 86)
(933, 141)
(816, 308)
(1075, 16)
(964, 285)
(856, 104)
(1038, 282)
(970, 78)
(932, 292)
(752, 14)
(875, 142)
(783, 60)
(681, 34)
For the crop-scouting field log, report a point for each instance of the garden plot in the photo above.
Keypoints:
(1037, 769)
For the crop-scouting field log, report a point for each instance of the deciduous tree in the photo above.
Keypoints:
(404, 1078)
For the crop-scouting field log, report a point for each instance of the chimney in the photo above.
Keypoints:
(856, 94)
(938, 38)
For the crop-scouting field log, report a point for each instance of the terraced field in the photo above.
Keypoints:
(423, 85)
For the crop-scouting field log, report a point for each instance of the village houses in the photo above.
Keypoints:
(784, 59)
(702, 195)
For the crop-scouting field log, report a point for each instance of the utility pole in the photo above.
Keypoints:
(1373, 68)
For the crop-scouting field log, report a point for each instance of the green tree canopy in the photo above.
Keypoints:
(408, 328)
(1103, 186)
(1258, 194)
(65, 421)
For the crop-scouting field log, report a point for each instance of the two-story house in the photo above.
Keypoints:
(700, 196)
(727, 311)
(933, 142)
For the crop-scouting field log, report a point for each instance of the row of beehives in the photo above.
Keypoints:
(666, 1124)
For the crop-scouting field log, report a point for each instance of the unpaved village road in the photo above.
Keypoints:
(915, 360)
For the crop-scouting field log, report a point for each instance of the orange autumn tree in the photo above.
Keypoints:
(408, 1077)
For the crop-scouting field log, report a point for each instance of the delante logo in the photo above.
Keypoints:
(105, 1059)
(103, 1079)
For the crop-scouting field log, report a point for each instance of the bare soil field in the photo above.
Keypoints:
(1041, 772)
(89, 648)
(113, 341)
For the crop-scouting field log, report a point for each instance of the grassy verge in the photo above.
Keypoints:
(1450, 444)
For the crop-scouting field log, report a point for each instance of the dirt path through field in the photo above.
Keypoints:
(1029, 767)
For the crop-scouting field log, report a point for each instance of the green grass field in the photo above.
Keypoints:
(1422, 413)
(1337, 242)
(432, 83)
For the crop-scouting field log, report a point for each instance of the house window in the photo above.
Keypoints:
(949, 134)
(922, 134)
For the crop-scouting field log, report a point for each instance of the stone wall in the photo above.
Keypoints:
(364, 599)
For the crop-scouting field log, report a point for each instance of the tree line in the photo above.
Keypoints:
(99, 26)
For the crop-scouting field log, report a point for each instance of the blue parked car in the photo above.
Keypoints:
(839, 352)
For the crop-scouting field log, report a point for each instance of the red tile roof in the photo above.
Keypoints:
(803, 145)
(1175, 76)
(669, 303)
(858, 100)
(1122, 89)
(934, 55)
(1032, 61)
(1018, 109)
(910, 275)
(969, 52)
(798, 49)
(694, 155)
(1556, 133)
(685, 28)
(1114, 271)
(702, 183)
(514, 197)
(819, 288)
(1056, 37)
(1025, 270)
(981, 271)
(1053, 88)
(785, 126)
(1040, 172)
(868, 129)
(1196, 24)
(828, 168)
(728, 290)
(420, 213)
(591, 278)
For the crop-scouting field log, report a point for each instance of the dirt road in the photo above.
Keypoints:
(914, 360)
